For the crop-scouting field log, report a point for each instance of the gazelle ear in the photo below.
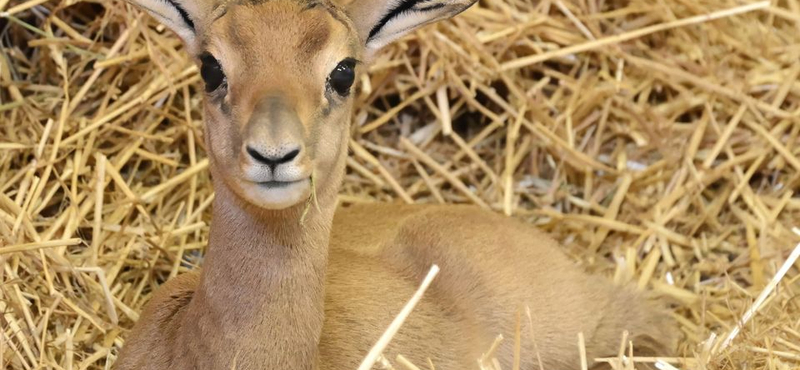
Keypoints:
(380, 22)
(181, 16)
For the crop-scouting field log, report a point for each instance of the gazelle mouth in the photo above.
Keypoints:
(277, 184)
(276, 194)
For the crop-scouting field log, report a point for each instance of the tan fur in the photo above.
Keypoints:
(492, 266)
(275, 293)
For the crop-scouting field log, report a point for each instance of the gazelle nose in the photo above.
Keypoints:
(273, 158)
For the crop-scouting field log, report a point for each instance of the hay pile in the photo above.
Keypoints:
(659, 145)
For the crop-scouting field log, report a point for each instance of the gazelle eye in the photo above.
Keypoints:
(343, 76)
(211, 72)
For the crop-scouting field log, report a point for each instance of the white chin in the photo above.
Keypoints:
(278, 197)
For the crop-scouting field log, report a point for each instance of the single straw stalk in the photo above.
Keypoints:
(757, 304)
(535, 59)
(394, 327)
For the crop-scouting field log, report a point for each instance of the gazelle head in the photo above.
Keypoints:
(278, 79)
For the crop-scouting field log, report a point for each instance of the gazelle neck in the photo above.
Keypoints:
(262, 285)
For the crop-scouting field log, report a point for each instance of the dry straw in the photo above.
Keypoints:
(657, 139)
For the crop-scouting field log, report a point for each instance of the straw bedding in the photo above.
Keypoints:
(659, 145)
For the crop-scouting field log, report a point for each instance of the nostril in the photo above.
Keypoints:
(272, 160)
(289, 156)
(257, 156)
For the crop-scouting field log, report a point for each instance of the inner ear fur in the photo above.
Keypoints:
(184, 17)
(379, 22)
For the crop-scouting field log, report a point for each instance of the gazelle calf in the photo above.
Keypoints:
(275, 294)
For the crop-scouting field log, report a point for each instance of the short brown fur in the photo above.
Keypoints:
(289, 285)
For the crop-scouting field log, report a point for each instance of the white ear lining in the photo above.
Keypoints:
(417, 14)
(400, 26)
(393, 30)
(171, 15)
